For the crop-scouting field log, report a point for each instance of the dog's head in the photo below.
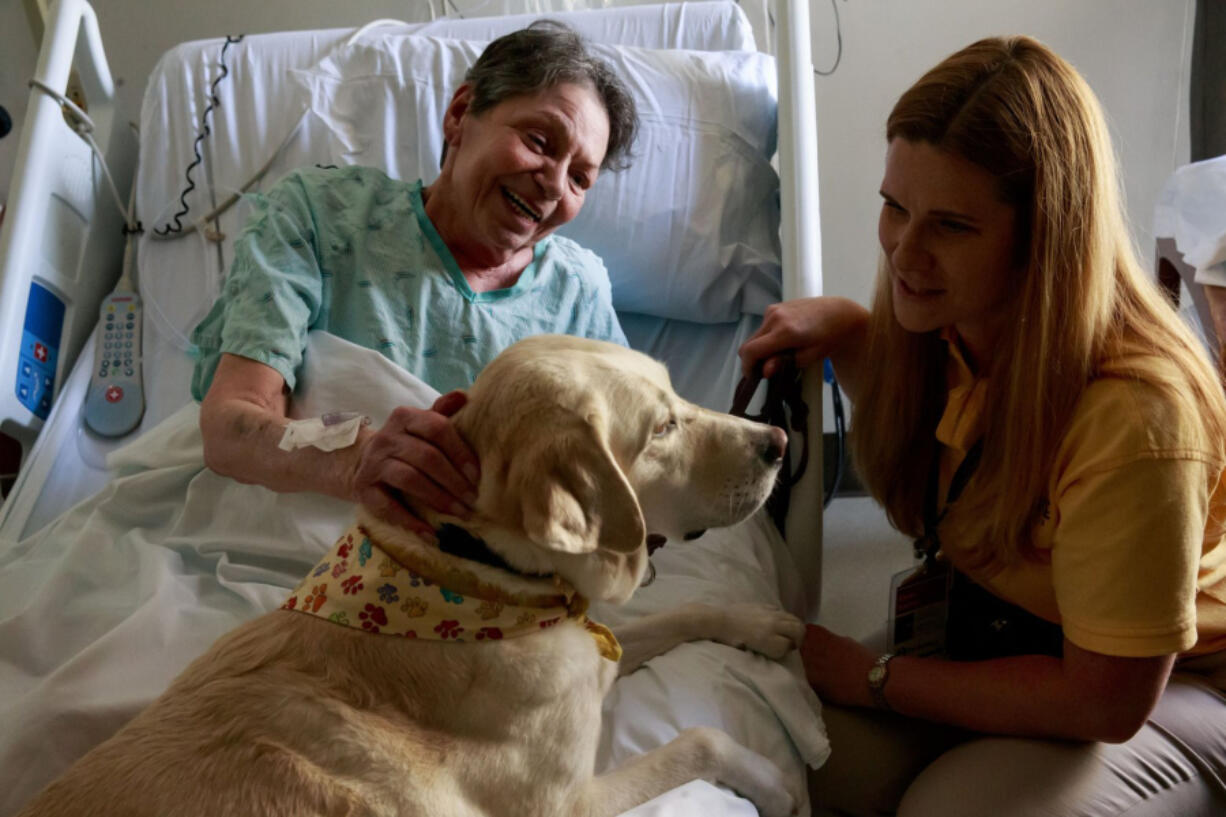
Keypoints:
(585, 449)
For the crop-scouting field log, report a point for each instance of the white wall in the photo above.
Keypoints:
(1134, 53)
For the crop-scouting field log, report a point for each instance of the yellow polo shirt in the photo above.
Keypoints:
(1133, 560)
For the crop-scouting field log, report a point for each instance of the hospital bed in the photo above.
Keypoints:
(121, 560)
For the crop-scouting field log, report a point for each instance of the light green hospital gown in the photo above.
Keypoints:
(351, 251)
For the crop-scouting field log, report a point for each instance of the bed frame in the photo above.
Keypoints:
(62, 241)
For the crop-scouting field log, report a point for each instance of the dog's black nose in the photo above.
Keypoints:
(776, 444)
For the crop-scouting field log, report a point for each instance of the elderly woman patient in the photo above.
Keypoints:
(439, 278)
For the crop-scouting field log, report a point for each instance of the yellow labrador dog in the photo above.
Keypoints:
(465, 679)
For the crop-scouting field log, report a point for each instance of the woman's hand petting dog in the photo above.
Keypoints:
(418, 457)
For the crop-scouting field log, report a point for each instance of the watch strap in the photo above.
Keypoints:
(878, 674)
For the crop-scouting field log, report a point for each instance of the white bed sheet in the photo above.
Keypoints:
(102, 608)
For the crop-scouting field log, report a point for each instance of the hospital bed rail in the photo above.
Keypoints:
(61, 246)
(800, 238)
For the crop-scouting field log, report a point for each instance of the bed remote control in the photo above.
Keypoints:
(115, 400)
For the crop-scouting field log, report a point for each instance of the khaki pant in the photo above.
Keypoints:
(884, 764)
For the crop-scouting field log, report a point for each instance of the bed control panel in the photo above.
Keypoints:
(115, 401)
(40, 345)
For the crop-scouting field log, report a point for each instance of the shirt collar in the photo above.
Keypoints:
(963, 421)
(522, 284)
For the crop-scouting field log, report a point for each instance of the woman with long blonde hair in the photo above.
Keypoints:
(1030, 408)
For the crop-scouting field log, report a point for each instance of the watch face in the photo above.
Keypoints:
(876, 675)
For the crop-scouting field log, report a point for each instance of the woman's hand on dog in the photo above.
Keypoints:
(418, 459)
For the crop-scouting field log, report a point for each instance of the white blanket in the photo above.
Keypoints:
(103, 607)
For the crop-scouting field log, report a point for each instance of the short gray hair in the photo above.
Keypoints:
(546, 54)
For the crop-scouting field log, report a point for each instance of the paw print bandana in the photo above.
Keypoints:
(356, 584)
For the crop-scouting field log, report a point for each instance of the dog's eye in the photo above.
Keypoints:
(664, 428)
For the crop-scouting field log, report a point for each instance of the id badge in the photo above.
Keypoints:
(919, 609)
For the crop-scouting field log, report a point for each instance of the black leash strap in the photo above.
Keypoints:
(930, 542)
(784, 407)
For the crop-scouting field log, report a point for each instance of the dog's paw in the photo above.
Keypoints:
(770, 791)
(762, 628)
(748, 773)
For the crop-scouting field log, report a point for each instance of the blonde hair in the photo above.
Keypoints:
(1082, 300)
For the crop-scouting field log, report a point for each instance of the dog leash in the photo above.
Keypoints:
(785, 408)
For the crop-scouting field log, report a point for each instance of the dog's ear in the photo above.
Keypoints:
(575, 498)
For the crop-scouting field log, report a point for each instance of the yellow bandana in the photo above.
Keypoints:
(358, 585)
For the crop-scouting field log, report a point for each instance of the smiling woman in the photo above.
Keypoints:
(1030, 408)
(439, 279)
(950, 241)
(513, 175)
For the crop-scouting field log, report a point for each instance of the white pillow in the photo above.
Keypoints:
(690, 231)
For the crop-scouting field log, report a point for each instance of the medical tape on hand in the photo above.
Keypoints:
(328, 432)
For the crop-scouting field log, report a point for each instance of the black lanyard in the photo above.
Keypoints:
(930, 542)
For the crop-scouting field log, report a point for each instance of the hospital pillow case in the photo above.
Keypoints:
(689, 231)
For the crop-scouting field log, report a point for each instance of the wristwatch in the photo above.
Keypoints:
(878, 674)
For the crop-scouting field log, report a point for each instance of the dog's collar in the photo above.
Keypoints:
(357, 584)
(456, 541)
